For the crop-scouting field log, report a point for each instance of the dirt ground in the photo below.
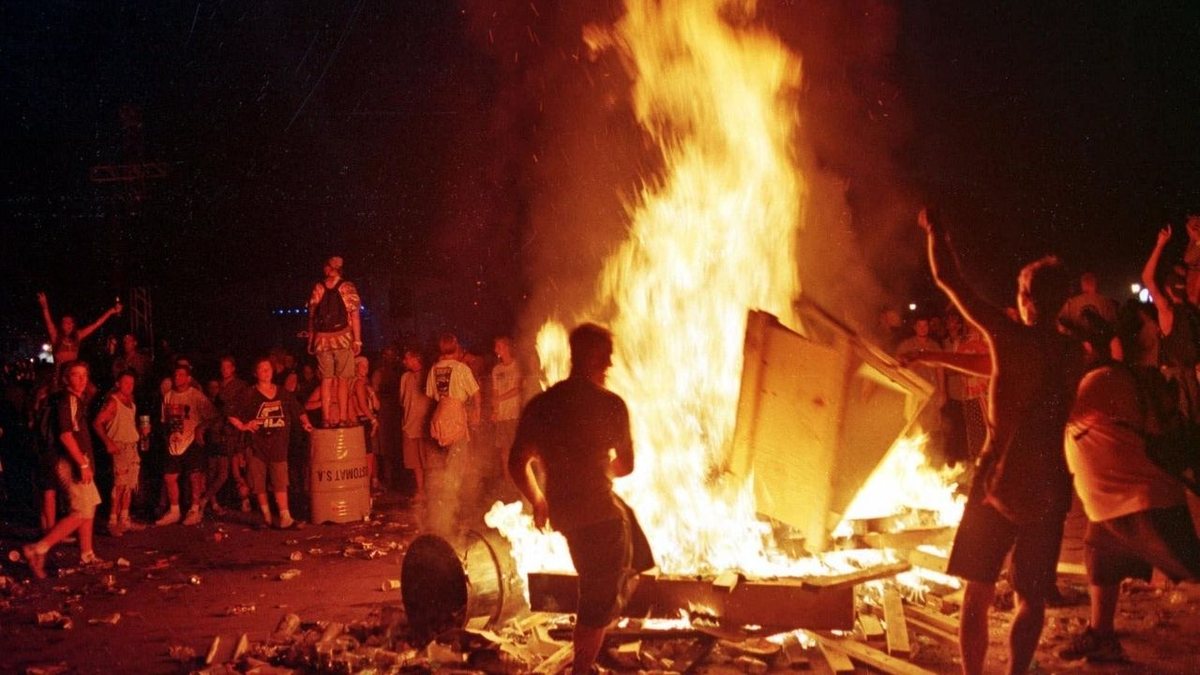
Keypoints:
(183, 586)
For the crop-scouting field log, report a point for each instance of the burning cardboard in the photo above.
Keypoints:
(815, 416)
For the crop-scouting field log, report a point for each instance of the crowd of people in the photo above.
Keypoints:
(1065, 392)
(172, 441)
(1079, 394)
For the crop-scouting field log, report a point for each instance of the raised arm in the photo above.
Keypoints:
(1166, 314)
(50, 327)
(91, 328)
(943, 263)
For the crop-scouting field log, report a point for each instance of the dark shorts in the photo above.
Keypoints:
(603, 555)
(1131, 546)
(985, 538)
(261, 475)
(192, 460)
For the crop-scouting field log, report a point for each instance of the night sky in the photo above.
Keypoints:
(398, 134)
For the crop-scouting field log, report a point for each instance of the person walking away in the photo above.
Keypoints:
(453, 387)
(72, 446)
(579, 434)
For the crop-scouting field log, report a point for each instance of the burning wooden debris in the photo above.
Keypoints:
(540, 642)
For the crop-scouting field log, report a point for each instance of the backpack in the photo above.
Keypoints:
(330, 314)
(449, 423)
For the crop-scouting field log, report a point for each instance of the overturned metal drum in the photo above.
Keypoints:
(446, 587)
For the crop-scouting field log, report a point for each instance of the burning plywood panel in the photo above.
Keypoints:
(815, 416)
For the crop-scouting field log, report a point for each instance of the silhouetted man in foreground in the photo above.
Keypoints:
(578, 432)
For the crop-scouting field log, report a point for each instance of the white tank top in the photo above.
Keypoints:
(123, 427)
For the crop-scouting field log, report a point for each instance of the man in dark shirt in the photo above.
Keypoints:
(270, 415)
(72, 443)
(579, 433)
(1022, 491)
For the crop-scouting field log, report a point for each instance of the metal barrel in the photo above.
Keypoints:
(445, 587)
(340, 476)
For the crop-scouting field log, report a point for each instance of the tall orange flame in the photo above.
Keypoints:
(711, 237)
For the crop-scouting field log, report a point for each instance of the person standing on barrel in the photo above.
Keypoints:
(578, 433)
(334, 338)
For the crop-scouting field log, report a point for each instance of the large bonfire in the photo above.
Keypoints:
(709, 238)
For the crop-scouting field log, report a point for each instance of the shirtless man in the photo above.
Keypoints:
(1022, 490)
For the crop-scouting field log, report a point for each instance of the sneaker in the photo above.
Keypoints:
(90, 559)
(287, 524)
(1095, 647)
(36, 560)
(194, 516)
(168, 518)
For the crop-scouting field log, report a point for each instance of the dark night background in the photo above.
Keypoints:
(408, 136)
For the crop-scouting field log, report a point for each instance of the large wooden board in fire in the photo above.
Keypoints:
(816, 414)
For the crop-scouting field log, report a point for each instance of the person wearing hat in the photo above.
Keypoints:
(334, 338)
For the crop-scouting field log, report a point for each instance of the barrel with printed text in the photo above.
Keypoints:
(341, 477)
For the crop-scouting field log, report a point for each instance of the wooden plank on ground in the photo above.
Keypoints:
(558, 663)
(857, 577)
(950, 604)
(928, 560)
(869, 656)
(933, 631)
(795, 656)
(837, 659)
(897, 627)
(936, 619)
(870, 627)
